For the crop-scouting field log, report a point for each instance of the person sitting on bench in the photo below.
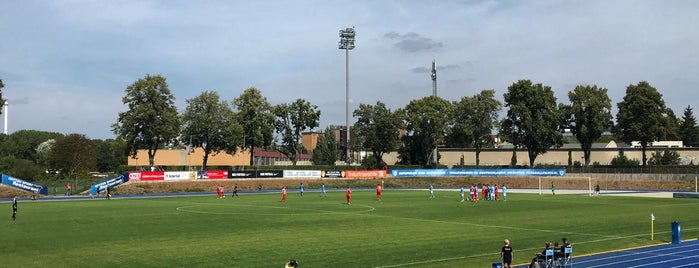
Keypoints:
(540, 257)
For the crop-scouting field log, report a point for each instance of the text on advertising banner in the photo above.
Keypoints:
(332, 174)
(365, 173)
(99, 187)
(215, 174)
(179, 175)
(270, 174)
(152, 175)
(232, 174)
(504, 172)
(302, 173)
(24, 185)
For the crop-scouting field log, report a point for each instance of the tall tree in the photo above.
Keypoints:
(74, 154)
(325, 152)
(588, 115)
(474, 120)
(111, 155)
(378, 129)
(427, 121)
(689, 132)
(151, 120)
(209, 123)
(532, 119)
(254, 114)
(43, 152)
(642, 116)
(292, 119)
(22, 144)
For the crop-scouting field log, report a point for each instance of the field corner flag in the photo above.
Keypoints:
(652, 222)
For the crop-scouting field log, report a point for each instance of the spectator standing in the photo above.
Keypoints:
(506, 255)
(301, 189)
(69, 190)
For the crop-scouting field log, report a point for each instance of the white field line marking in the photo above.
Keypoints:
(652, 256)
(320, 211)
(526, 249)
(644, 252)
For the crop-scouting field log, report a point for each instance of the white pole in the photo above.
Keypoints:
(540, 191)
(6, 104)
(695, 184)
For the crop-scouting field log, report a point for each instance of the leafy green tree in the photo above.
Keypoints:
(111, 155)
(74, 154)
(588, 115)
(622, 160)
(643, 117)
(427, 122)
(378, 128)
(474, 120)
(209, 123)
(151, 120)
(533, 118)
(666, 157)
(43, 152)
(689, 132)
(292, 119)
(254, 114)
(21, 168)
(325, 152)
(22, 144)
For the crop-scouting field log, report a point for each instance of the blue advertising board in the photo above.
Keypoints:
(100, 187)
(24, 185)
(505, 172)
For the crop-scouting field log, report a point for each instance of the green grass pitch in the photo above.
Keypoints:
(255, 230)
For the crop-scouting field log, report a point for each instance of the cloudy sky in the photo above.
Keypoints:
(66, 63)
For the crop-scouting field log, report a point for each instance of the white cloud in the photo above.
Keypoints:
(57, 55)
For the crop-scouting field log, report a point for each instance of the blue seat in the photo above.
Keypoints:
(567, 260)
(549, 259)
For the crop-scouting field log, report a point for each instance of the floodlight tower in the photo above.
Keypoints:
(347, 43)
(7, 103)
(433, 75)
(434, 78)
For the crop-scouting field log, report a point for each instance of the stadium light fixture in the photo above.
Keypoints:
(347, 38)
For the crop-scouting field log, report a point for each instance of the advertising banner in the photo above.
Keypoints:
(241, 174)
(332, 174)
(134, 176)
(100, 187)
(152, 175)
(505, 172)
(365, 173)
(301, 174)
(179, 175)
(214, 174)
(24, 185)
(270, 174)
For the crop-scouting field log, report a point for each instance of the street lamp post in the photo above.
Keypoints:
(347, 43)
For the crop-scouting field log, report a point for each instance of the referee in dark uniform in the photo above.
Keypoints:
(14, 208)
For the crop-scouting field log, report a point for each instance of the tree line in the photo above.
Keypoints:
(534, 120)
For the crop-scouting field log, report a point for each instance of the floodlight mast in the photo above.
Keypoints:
(347, 37)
